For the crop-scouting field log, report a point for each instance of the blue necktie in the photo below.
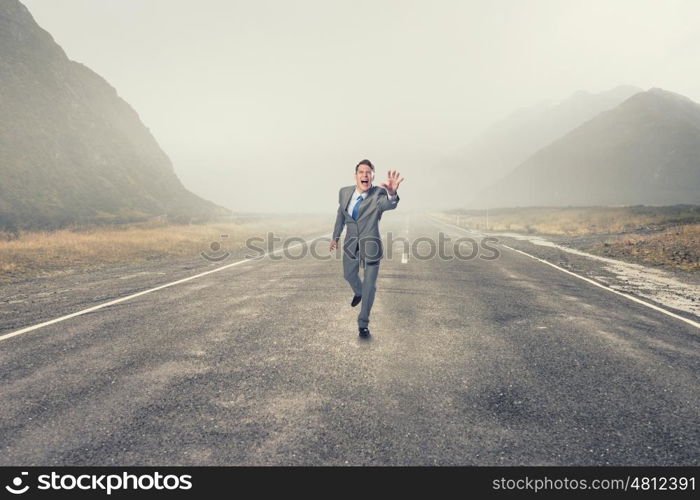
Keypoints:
(356, 208)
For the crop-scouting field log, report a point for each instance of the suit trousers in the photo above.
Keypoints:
(366, 287)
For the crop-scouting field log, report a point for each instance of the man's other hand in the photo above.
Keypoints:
(333, 245)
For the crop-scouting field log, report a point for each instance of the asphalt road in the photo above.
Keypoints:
(471, 362)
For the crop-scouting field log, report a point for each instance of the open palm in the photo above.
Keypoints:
(392, 183)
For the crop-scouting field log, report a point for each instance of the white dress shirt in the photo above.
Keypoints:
(353, 199)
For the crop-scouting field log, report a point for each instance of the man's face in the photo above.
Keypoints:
(363, 178)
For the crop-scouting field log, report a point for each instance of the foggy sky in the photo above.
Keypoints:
(268, 105)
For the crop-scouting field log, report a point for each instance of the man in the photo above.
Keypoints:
(360, 209)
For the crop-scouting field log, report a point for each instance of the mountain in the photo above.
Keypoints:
(70, 148)
(509, 142)
(644, 151)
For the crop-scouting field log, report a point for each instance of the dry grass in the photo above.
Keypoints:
(573, 221)
(661, 236)
(675, 246)
(67, 250)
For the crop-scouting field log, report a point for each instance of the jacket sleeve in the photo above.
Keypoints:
(339, 220)
(385, 203)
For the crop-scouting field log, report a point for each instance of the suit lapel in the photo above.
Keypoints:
(346, 197)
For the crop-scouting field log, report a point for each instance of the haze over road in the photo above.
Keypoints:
(478, 362)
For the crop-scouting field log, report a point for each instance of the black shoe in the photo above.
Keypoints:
(364, 332)
(356, 300)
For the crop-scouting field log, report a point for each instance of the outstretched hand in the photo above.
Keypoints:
(392, 183)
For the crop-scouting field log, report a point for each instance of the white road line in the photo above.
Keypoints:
(630, 297)
(604, 287)
(144, 292)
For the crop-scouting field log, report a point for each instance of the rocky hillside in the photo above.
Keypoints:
(70, 148)
(510, 141)
(644, 151)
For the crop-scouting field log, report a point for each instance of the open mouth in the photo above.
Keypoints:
(364, 183)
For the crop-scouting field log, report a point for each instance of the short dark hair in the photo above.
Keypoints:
(364, 162)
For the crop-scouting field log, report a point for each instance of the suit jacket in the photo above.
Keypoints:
(362, 235)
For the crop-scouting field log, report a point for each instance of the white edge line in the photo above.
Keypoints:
(627, 296)
(144, 292)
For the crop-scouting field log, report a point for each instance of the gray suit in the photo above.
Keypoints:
(362, 242)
